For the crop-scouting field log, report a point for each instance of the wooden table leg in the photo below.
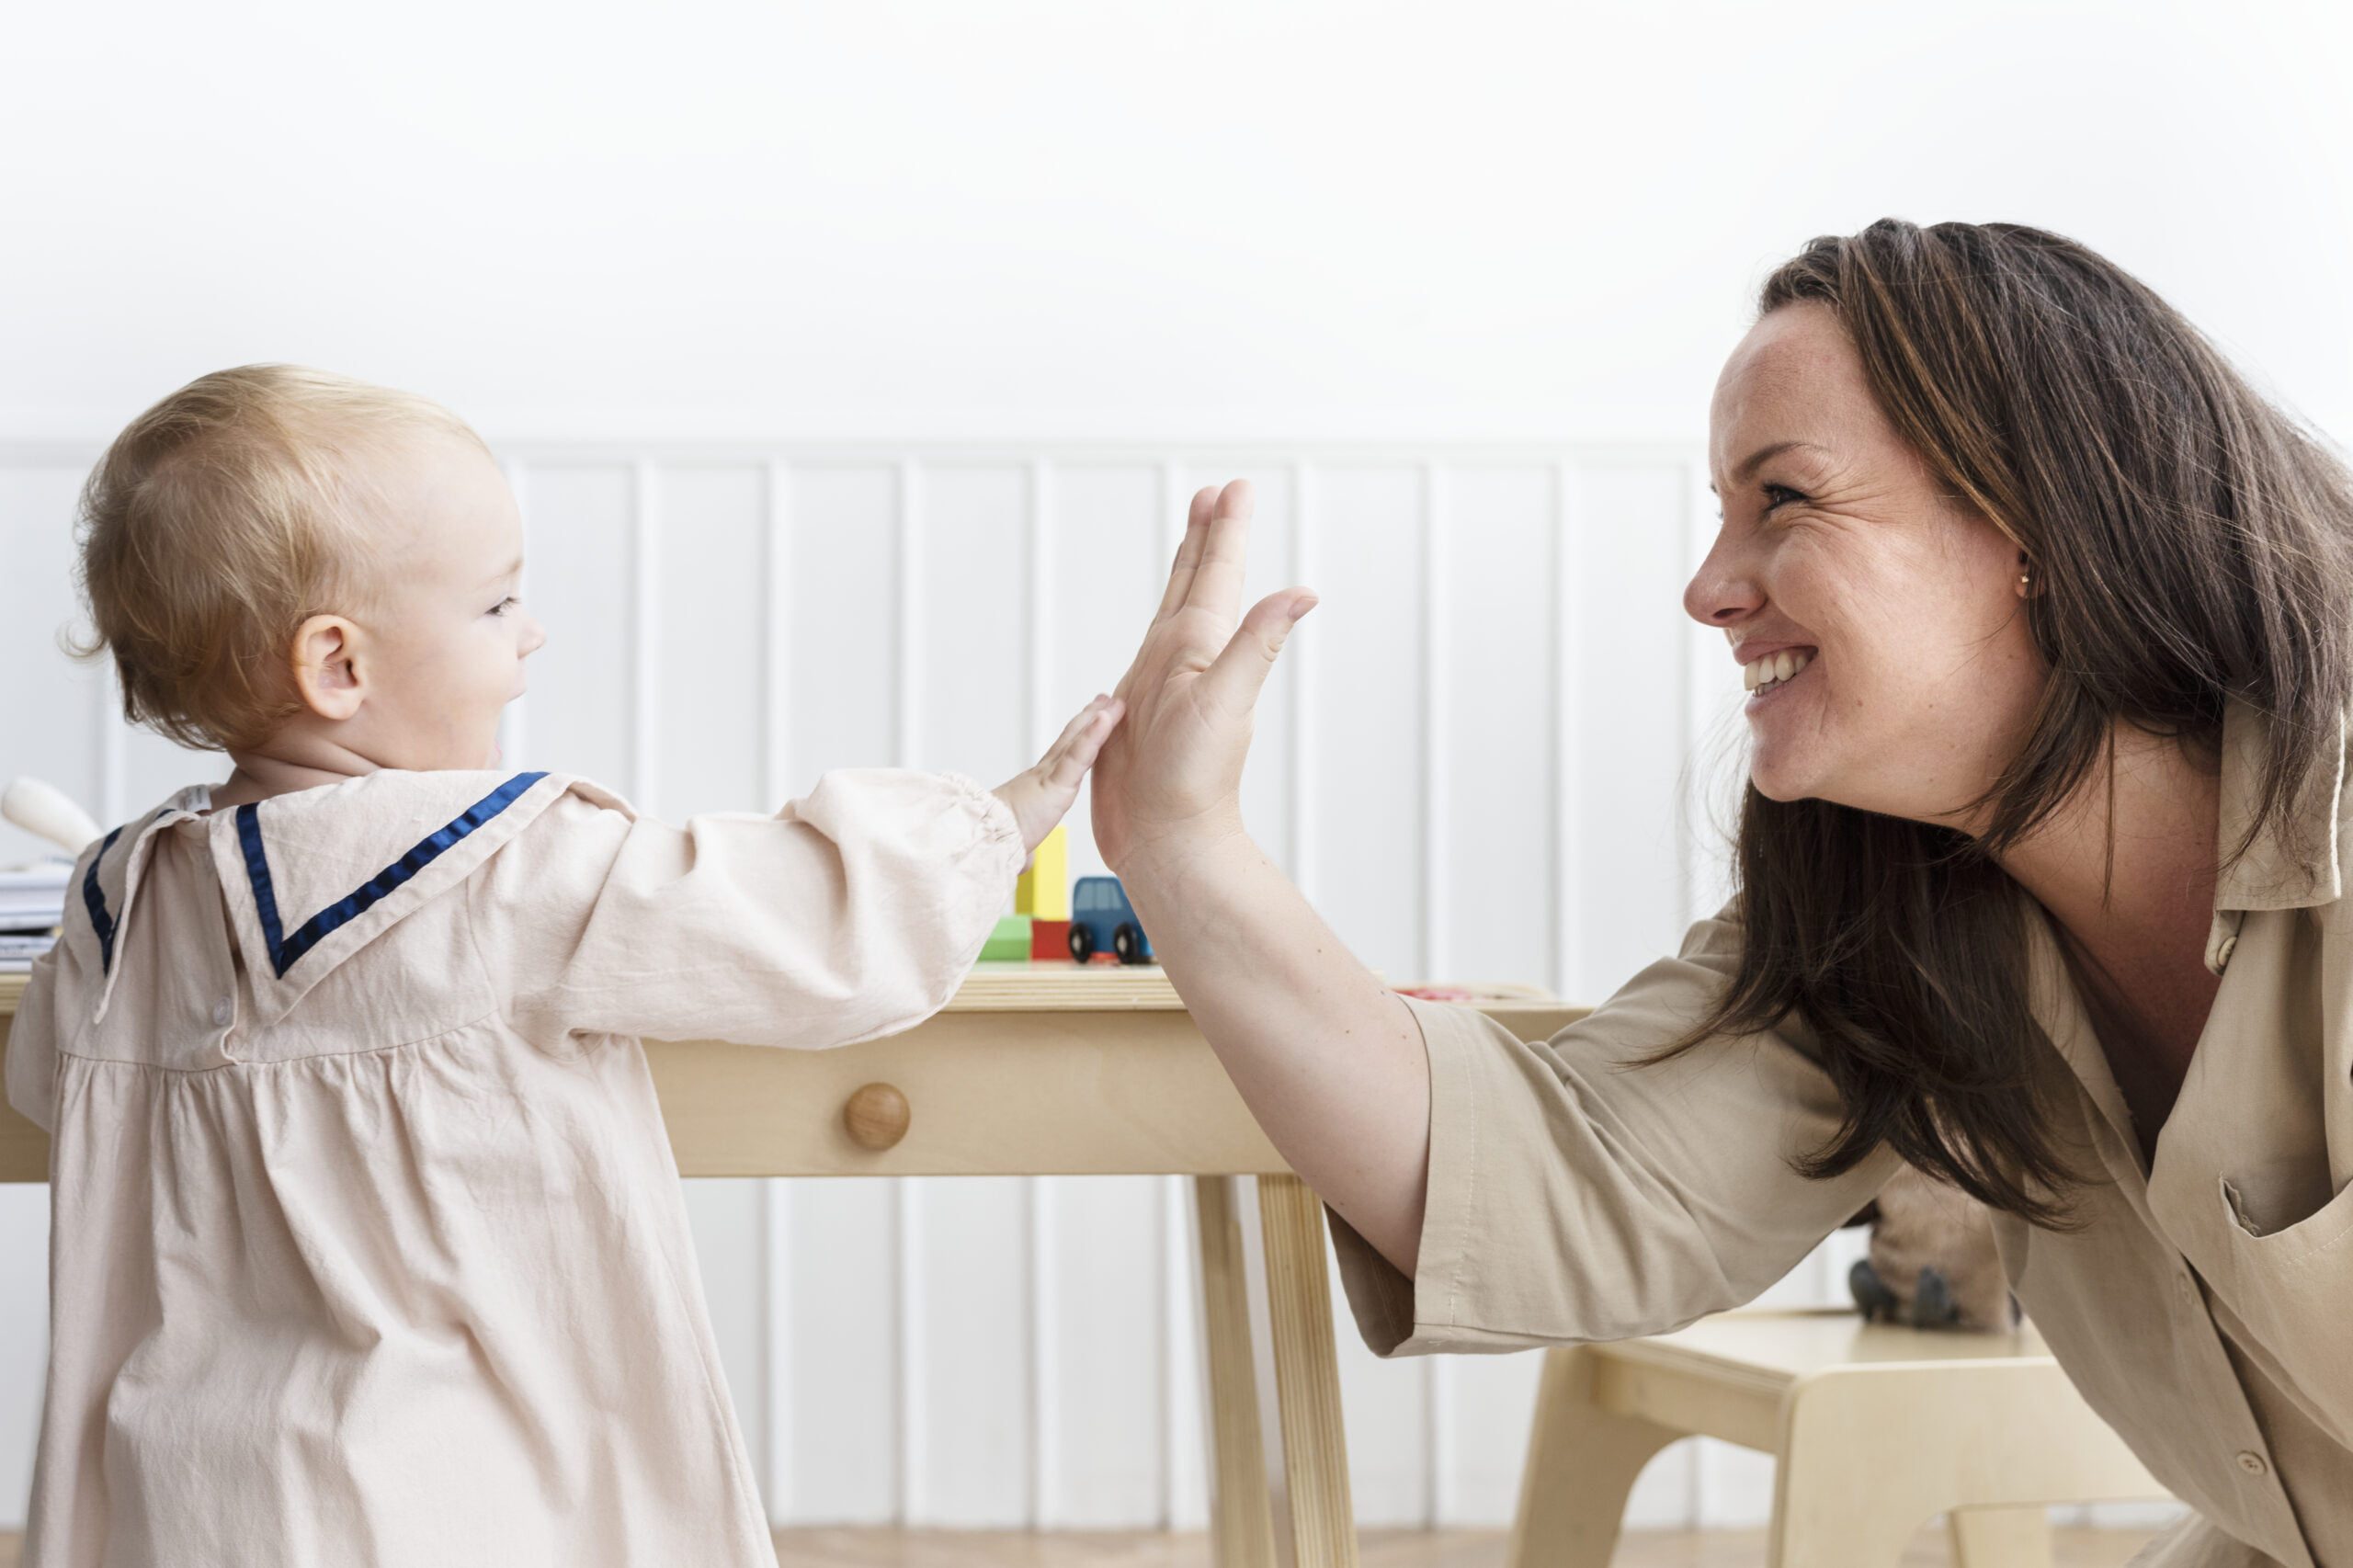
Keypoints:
(1317, 1507)
(1242, 1520)
(1582, 1461)
(1279, 1457)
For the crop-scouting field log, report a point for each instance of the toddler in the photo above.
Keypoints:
(368, 1247)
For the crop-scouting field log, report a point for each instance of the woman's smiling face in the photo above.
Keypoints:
(1839, 541)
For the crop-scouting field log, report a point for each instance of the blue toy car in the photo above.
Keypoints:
(1101, 917)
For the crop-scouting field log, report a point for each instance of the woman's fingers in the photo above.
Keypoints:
(1239, 672)
(1188, 553)
(1225, 548)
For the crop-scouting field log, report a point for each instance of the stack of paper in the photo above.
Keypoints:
(32, 903)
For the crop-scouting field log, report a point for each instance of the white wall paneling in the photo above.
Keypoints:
(1471, 757)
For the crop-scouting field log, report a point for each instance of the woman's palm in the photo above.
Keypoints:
(1173, 770)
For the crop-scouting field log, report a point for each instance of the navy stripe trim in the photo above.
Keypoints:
(285, 951)
(95, 901)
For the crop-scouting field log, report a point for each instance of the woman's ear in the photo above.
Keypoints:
(326, 666)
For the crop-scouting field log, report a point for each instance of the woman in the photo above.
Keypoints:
(2038, 882)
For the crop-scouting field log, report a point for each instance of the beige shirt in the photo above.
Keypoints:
(368, 1247)
(2206, 1311)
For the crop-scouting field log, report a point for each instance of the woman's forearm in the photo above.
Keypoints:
(1328, 1059)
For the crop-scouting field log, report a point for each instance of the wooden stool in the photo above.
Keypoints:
(1877, 1429)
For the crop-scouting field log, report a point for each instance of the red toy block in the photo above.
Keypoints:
(1048, 941)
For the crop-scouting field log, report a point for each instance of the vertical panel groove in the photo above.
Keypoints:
(645, 631)
(1567, 915)
(113, 735)
(1046, 1457)
(776, 1195)
(907, 1194)
(1175, 1260)
(1303, 679)
(514, 722)
(1439, 1380)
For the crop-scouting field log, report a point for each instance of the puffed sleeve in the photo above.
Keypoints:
(32, 1044)
(1573, 1198)
(854, 911)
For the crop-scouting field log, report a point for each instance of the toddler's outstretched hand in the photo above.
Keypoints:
(1042, 796)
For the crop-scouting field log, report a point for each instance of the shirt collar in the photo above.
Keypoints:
(2292, 863)
(287, 866)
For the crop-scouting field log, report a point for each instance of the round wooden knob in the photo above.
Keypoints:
(877, 1116)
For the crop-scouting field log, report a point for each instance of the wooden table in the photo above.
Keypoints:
(1052, 1070)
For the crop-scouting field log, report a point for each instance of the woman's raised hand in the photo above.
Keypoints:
(1170, 776)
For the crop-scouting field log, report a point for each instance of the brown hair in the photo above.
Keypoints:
(2191, 543)
(219, 521)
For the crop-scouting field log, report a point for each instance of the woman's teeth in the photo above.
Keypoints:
(1759, 674)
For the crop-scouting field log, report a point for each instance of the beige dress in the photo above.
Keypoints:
(368, 1247)
(2206, 1311)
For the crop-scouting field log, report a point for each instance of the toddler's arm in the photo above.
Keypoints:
(853, 913)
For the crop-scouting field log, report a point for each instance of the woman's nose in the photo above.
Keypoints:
(534, 638)
(1722, 590)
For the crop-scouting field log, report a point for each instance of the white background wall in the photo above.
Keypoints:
(850, 361)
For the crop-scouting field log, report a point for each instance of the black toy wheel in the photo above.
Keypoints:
(1877, 1302)
(1127, 945)
(1082, 944)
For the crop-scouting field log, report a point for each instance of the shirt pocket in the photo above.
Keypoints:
(2293, 1246)
(2291, 1288)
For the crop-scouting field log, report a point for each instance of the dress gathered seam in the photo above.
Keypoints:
(64, 1054)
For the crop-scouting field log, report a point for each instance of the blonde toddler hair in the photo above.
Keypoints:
(222, 519)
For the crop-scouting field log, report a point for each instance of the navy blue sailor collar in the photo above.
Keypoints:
(310, 876)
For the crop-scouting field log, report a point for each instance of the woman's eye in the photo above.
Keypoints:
(1776, 495)
(503, 606)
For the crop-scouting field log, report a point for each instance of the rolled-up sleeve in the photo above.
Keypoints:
(855, 911)
(1575, 1196)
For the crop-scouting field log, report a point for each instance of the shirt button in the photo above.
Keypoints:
(2222, 953)
(222, 1011)
(2251, 1462)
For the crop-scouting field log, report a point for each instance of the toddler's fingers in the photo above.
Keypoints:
(1072, 730)
(1067, 770)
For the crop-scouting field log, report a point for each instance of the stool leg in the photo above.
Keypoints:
(1999, 1538)
(1582, 1463)
(1849, 1492)
(1307, 1376)
(1242, 1520)
(1870, 1452)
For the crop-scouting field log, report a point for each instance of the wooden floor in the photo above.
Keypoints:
(1382, 1549)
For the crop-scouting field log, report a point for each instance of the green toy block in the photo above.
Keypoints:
(1009, 940)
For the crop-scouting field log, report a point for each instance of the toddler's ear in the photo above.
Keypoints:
(326, 671)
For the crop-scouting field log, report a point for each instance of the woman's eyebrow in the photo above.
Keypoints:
(1757, 458)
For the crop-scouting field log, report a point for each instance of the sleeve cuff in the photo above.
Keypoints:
(1397, 1316)
(998, 824)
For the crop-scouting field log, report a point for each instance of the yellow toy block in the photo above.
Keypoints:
(1043, 891)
